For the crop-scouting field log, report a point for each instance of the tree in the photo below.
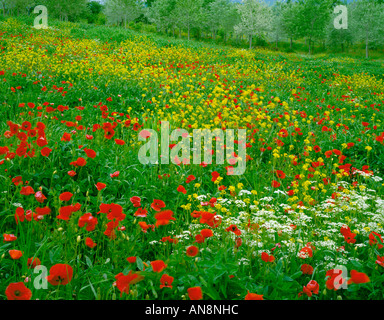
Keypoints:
(312, 17)
(366, 22)
(255, 19)
(277, 26)
(229, 19)
(94, 10)
(289, 20)
(337, 36)
(213, 14)
(161, 13)
(125, 11)
(66, 10)
(188, 14)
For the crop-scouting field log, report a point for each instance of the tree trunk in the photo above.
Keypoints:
(189, 33)
(291, 42)
(309, 45)
(250, 42)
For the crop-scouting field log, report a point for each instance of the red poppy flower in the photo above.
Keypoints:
(65, 196)
(65, 213)
(18, 291)
(88, 220)
(195, 293)
(169, 239)
(163, 217)
(192, 251)
(71, 173)
(80, 162)
(206, 233)
(166, 281)
(358, 277)
(100, 186)
(190, 178)
(66, 137)
(157, 205)
(350, 237)
(131, 259)
(311, 288)
(113, 211)
(144, 226)
(17, 180)
(120, 142)
(375, 238)
(141, 212)
(306, 252)
(90, 153)
(109, 133)
(115, 174)
(9, 237)
(253, 296)
(158, 265)
(380, 261)
(43, 211)
(19, 215)
(181, 189)
(33, 262)
(15, 254)
(45, 152)
(266, 257)
(40, 197)
(335, 279)
(215, 175)
(211, 219)
(233, 228)
(280, 174)
(276, 184)
(60, 274)
(307, 269)
(136, 201)
(89, 243)
(123, 282)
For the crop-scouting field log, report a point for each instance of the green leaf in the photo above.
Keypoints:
(139, 263)
(89, 262)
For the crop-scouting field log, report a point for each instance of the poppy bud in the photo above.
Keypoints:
(54, 172)
(78, 239)
(98, 297)
(325, 292)
(114, 296)
(147, 297)
(3, 255)
(339, 298)
(60, 229)
(87, 194)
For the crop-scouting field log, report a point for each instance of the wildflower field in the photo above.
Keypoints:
(305, 220)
